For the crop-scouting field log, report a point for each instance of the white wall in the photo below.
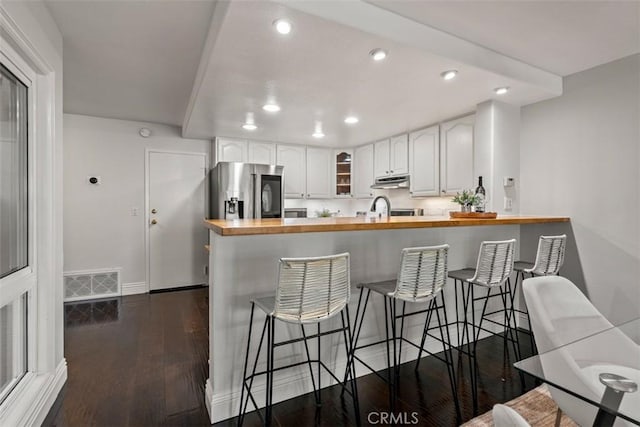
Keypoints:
(580, 157)
(399, 198)
(100, 230)
(497, 153)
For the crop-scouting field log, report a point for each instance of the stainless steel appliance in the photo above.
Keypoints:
(391, 182)
(295, 212)
(246, 190)
(407, 212)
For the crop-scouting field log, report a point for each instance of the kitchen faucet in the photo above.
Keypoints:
(386, 200)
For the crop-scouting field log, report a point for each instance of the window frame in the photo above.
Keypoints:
(25, 280)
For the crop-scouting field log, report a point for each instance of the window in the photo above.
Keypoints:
(14, 223)
(13, 173)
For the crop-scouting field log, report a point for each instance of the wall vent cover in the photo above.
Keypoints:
(84, 285)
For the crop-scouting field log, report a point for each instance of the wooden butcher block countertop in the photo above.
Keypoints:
(245, 227)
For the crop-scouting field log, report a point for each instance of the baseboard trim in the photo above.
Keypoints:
(133, 288)
(179, 288)
(32, 405)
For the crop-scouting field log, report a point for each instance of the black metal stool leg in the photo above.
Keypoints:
(319, 371)
(404, 305)
(246, 363)
(269, 395)
(472, 353)
(253, 372)
(386, 332)
(348, 341)
(446, 345)
(313, 381)
(355, 333)
(424, 334)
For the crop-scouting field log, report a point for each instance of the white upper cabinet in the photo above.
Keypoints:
(398, 155)
(262, 153)
(391, 157)
(424, 162)
(293, 158)
(456, 155)
(381, 158)
(231, 150)
(363, 172)
(319, 171)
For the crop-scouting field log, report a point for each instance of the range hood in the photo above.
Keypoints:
(392, 182)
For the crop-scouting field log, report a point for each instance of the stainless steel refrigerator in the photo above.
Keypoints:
(246, 190)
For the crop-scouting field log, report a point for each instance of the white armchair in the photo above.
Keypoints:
(561, 318)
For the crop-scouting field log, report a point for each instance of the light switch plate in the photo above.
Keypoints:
(508, 203)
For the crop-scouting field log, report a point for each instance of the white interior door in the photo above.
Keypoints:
(175, 213)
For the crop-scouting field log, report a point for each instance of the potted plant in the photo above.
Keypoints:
(466, 200)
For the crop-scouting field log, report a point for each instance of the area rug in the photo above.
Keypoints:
(536, 406)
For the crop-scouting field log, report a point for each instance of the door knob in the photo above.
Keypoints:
(154, 211)
(154, 221)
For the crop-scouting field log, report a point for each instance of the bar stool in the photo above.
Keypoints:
(310, 290)
(422, 276)
(549, 259)
(494, 265)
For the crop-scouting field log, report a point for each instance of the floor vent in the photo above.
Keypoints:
(85, 285)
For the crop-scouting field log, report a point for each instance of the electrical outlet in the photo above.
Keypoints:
(134, 211)
(508, 203)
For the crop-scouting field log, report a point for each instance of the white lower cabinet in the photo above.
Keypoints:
(363, 167)
(319, 172)
(424, 162)
(293, 158)
(456, 155)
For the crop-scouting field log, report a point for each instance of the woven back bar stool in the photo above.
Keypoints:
(549, 260)
(310, 290)
(422, 276)
(494, 265)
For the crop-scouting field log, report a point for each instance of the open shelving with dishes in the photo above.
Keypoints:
(343, 173)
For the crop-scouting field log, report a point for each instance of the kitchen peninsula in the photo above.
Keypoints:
(243, 263)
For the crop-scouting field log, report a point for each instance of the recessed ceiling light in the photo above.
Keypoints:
(351, 120)
(450, 74)
(318, 130)
(249, 126)
(282, 26)
(271, 108)
(378, 54)
(501, 90)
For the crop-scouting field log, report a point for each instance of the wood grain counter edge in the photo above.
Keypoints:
(247, 227)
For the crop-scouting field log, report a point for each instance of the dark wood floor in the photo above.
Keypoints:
(142, 361)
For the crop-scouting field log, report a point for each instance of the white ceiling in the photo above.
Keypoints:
(563, 37)
(137, 60)
(132, 60)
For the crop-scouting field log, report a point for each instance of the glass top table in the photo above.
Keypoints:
(601, 369)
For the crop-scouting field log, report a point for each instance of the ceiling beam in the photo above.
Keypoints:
(219, 14)
(376, 20)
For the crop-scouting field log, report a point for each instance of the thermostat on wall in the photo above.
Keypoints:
(508, 181)
(94, 180)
